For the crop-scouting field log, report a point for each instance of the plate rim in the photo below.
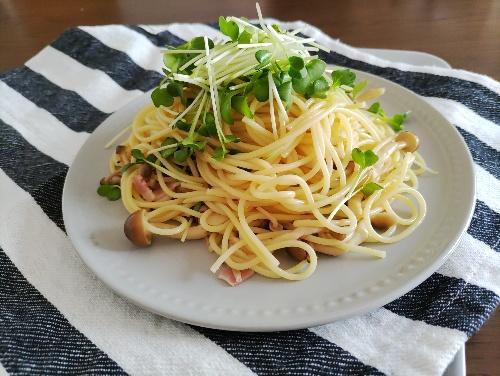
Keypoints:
(373, 303)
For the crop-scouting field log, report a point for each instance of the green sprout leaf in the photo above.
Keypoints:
(198, 43)
(376, 109)
(137, 154)
(298, 73)
(209, 128)
(228, 138)
(364, 158)
(199, 145)
(370, 187)
(174, 89)
(300, 85)
(285, 92)
(357, 88)
(396, 121)
(315, 69)
(370, 158)
(343, 77)
(225, 106)
(239, 104)
(188, 142)
(182, 125)
(358, 157)
(229, 28)
(182, 154)
(296, 62)
(318, 88)
(169, 141)
(219, 153)
(263, 57)
(161, 97)
(245, 37)
(261, 89)
(172, 62)
(111, 192)
(277, 28)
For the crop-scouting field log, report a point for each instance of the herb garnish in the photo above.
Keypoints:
(396, 121)
(111, 192)
(263, 62)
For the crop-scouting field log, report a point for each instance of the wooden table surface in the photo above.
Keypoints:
(466, 33)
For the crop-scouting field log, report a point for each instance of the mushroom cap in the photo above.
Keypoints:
(134, 229)
(410, 140)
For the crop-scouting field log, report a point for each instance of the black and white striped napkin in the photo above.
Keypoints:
(56, 317)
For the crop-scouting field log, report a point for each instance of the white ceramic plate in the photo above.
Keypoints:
(173, 278)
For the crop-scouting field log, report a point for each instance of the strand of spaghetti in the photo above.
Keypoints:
(319, 149)
(404, 233)
(170, 170)
(345, 246)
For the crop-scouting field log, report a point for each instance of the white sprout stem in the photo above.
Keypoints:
(259, 14)
(234, 68)
(161, 148)
(251, 45)
(282, 111)
(322, 48)
(275, 33)
(271, 104)
(235, 56)
(243, 23)
(189, 80)
(181, 115)
(215, 53)
(239, 86)
(198, 113)
(192, 61)
(213, 94)
(221, 56)
(237, 74)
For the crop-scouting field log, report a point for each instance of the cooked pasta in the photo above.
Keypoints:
(314, 172)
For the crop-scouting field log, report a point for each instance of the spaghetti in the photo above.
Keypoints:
(312, 174)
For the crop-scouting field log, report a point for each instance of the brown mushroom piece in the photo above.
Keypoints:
(349, 169)
(382, 221)
(134, 229)
(121, 149)
(113, 179)
(410, 141)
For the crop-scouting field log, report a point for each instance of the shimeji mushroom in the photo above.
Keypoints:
(135, 231)
(409, 140)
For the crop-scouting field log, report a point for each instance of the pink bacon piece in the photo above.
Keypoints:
(141, 186)
(234, 277)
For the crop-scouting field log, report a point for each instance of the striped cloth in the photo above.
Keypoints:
(55, 317)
